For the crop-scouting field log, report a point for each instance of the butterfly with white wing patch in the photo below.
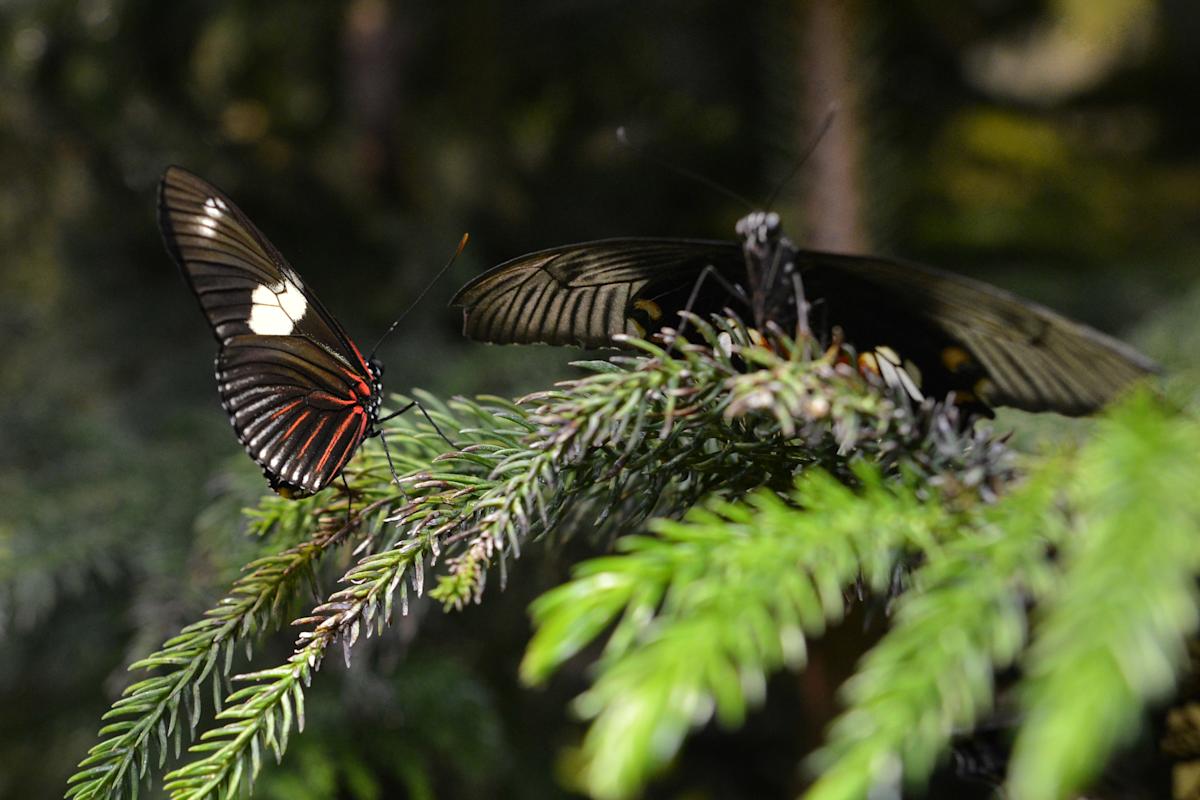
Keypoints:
(300, 394)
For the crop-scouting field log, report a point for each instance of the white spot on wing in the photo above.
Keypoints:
(275, 310)
(214, 208)
(206, 226)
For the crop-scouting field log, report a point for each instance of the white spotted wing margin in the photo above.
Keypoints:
(299, 393)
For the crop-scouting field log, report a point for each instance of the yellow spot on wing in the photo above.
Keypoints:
(652, 309)
(955, 358)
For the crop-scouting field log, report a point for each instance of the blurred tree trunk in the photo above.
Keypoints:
(374, 51)
(831, 203)
(831, 196)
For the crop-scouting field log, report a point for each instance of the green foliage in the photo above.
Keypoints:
(148, 714)
(782, 487)
(260, 715)
(962, 617)
(342, 753)
(1102, 541)
(1110, 636)
(147, 719)
(704, 610)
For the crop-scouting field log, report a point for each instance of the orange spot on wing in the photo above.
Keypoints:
(983, 389)
(868, 363)
(653, 310)
(955, 358)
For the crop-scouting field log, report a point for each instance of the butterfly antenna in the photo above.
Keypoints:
(807, 154)
(461, 246)
(684, 172)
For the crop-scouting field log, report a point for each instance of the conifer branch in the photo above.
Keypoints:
(1104, 543)
(699, 613)
(688, 420)
(147, 717)
(259, 716)
(962, 617)
(1112, 635)
(662, 417)
(707, 608)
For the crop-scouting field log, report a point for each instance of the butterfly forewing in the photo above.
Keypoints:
(299, 393)
(585, 294)
(243, 283)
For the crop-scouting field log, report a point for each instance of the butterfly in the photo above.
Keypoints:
(924, 329)
(300, 394)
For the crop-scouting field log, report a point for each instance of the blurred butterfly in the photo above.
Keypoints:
(298, 391)
(925, 330)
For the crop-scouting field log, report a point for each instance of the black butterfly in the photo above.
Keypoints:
(299, 393)
(953, 334)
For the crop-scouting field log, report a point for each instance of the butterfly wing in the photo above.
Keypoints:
(242, 282)
(957, 331)
(585, 294)
(299, 393)
(1012, 351)
(299, 412)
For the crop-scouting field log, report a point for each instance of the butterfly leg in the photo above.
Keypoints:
(424, 413)
(708, 272)
(387, 452)
(349, 501)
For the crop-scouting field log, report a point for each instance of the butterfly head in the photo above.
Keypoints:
(760, 227)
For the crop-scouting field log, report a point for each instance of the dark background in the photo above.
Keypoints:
(1051, 147)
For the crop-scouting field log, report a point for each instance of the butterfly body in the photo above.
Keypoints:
(947, 332)
(300, 395)
(774, 291)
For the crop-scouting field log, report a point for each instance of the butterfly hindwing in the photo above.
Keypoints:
(1013, 352)
(299, 412)
(298, 392)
